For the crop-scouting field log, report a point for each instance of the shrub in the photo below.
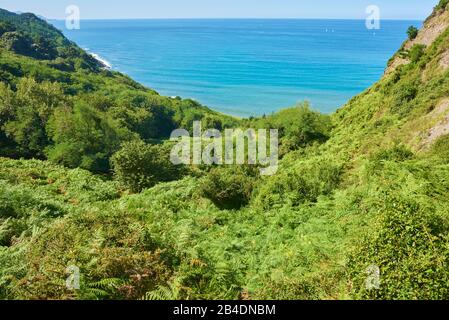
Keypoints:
(303, 183)
(20, 209)
(442, 4)
(138, 165)
(230, 187)
(300, 126)
(117, 258)
(410, 249)
(398, 152)
(441, 148)
(416, 52)
(412, 32)
(405, 92)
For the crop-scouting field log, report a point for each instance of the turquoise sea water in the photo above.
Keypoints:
(247, 67)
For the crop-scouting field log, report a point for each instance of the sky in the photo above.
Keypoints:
(142, 9)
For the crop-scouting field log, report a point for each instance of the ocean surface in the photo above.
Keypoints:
(246, 67)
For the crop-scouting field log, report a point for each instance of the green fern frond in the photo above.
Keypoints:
(170, 292)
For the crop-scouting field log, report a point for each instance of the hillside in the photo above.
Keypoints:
(41, 69)
(366, 187)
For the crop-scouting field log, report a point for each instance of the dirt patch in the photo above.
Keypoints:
(441, 128)
(444, 61)
(397, 61)
(432, 29)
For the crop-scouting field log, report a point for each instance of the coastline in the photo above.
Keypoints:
(106, 64)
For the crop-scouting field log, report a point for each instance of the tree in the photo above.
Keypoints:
(28, 112)
(144, 115)
(412, 32)
(7, 145)
(5, 27)
(17, 42)
(84, 138)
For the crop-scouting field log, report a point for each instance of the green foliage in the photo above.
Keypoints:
(440, 149)
(408, 236)
(298, 127)
(398, 152)
(230, 188)
(304, 182)
(416, 52)
(412, 32)
(26, 113)
(170, 292)
(442, 4)
(84, 138)
(353, 189)
(138, 166)
(405, 93)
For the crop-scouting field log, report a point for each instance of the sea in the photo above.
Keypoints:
(246, 67)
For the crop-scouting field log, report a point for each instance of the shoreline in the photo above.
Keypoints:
(103, 61)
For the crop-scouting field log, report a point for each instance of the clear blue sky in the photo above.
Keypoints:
(124, 9)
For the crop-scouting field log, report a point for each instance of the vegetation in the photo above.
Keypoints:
(416, 52)
(85, 181)
(138, 165)
(442, 5)
(412, 32)
(230, 188)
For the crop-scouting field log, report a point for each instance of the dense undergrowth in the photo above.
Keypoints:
(355, 189)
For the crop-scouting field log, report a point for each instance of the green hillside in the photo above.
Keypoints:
(85, 181)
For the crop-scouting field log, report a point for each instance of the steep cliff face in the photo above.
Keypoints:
(410, 103)
(433, 27)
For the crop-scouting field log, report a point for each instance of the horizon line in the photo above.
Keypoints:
(241, 18)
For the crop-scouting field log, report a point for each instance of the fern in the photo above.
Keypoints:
(102, 289)
(170, 292)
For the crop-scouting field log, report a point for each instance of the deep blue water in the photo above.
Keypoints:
(247, 67)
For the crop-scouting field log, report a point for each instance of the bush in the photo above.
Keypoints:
(301, 126)
(230, 187)
(138, 165)
(441, 148)
(442, 4)
(412, 32)
(410, 249)
(20, 209)
(405, 92)
(304, 183)
(398, 152)
(416, 52)
(117, 258)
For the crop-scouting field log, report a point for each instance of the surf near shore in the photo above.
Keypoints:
(106, 64)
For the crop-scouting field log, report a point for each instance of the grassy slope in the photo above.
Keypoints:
(380, 204)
